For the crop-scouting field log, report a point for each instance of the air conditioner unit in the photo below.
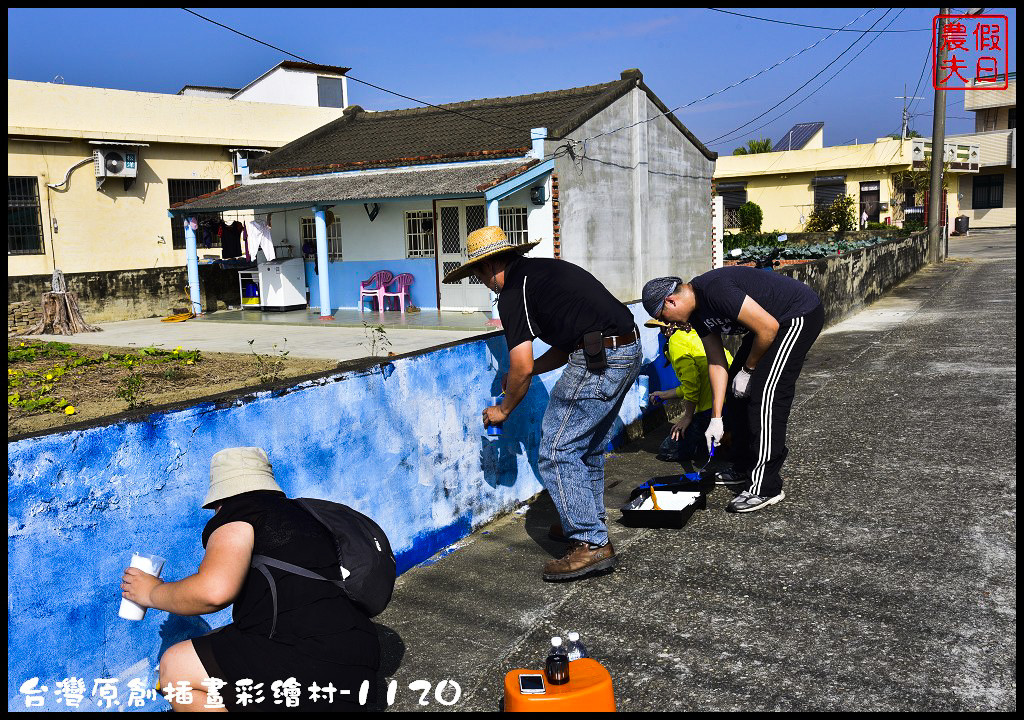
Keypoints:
(116, 161)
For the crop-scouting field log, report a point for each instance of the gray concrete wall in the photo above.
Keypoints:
(131, 294)
(679, 220)
(847, 282)
(643, 192)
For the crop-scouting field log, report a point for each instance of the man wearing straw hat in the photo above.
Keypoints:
(568, 308)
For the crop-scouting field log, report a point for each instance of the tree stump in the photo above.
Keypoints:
(61, 316)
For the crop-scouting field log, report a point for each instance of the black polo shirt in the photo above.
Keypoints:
(557, 302)
(720, 294)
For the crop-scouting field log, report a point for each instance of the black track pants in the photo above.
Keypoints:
(760, 442)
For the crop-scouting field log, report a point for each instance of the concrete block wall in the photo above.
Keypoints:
(845, 283)
(131, 294)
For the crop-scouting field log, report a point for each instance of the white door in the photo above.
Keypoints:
(458, 218)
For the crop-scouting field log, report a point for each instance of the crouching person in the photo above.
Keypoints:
(685, 443)
(318, 638)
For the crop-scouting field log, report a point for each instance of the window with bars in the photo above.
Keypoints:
(734, 195)
(419, 234)
(513, 221)
(308, 228)
(24, 218)
(987, 192)
(828, 194)
(182, 190)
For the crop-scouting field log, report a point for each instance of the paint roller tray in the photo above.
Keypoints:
(678, 499)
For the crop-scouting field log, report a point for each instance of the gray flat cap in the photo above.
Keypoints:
(655, 292)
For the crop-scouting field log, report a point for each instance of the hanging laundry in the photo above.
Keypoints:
(262, 240)
(207, 232)
(231, 240)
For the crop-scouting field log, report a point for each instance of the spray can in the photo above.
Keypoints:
(495, 429)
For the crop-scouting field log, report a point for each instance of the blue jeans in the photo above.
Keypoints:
(577, 424)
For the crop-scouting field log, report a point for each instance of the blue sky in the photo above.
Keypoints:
(447, 55)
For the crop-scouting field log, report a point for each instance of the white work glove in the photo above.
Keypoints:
(741, 383)
(714, 432)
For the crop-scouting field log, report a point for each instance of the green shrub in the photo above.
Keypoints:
(750, 216)
(837, 216)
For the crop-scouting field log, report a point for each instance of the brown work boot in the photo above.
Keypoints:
(556, 533)
(581, 560)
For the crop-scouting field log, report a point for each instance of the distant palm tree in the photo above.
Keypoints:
(754, 146)
(910, 134)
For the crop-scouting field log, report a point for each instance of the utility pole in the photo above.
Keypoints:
(935, 192)
(904, 98)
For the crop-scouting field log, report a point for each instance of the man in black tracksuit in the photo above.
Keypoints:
(780, 318)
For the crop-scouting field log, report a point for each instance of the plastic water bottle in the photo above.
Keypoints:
(557, 666)
(576, 649)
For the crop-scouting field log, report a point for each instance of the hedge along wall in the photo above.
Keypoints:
(401, 443)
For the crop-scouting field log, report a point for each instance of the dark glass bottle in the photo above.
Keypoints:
(557, 666)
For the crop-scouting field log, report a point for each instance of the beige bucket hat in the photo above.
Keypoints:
(484, 243)
(239, 470)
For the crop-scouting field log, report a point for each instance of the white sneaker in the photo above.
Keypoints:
(747, 501)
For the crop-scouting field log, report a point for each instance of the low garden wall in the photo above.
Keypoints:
(129, 294)
(847, 282)
(400, 441)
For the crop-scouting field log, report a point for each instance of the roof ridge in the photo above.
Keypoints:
(496, 101)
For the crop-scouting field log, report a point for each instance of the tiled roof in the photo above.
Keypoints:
(447, 180)
(489, 128)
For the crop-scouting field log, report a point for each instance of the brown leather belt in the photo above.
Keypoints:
(617, 341)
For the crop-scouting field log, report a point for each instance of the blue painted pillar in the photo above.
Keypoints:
(192, 262)
(320, 221)
(493, 218)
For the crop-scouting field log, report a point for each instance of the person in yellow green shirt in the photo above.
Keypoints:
(684, 349)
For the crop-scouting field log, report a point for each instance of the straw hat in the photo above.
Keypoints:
(657, 324)
(239, 470)
(484, 243)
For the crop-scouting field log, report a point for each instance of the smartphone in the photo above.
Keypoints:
(531, 684)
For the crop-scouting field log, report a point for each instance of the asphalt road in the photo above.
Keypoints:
(885, 581)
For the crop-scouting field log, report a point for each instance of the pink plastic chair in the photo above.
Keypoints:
(374, 288)
(402, 283)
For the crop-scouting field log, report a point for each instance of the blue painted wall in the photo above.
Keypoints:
(346, 276)
(405, 448)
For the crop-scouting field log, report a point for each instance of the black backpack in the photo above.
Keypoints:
(364, 557)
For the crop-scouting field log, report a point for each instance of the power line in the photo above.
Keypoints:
(831, 77)
(924, 66)
(729, 87)
(350, 77)
(816, 75)
(816, 27)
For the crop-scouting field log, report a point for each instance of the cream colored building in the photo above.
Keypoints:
(788, 184)
(989, 198)
(74, 201)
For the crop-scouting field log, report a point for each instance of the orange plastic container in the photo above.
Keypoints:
(589, 690)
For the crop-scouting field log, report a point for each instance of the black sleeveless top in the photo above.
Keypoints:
(320, 635)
